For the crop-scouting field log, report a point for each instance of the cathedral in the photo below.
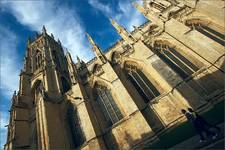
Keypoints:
(128, 96)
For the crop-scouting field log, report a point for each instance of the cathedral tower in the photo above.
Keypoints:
(129, 96)
(43, 81)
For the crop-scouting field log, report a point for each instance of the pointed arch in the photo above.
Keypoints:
(74, 123)
(142, 89)
(106, 103)
(97, 69)
(65, 85)
(140, 81)
(36, 96)
(208, 28)
(174, 59)
(159, 6)
(56, 58)
(36, 84)
(115, 57)
(36, 59)
(36, 91)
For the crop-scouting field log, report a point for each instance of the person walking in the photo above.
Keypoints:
(198, 126)
(202, 120)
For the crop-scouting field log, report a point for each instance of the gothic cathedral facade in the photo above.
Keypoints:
(126, 97)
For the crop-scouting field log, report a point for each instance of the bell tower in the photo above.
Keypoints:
(44, 80)
(45, 61)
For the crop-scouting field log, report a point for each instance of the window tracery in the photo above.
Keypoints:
(141, 83)
(207, 30)
(107, 104)
(181, 65)
(78, 136)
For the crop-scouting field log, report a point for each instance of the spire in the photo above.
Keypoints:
(71, 68)
(36, 35)
(150, 15)
(139, 8)
(59, 42)
(123, 32)
(44, 30)
(14, 93)
(96, 49)
(28, 41)
(78, 60)
(80, 63)
(52, 35)
(69, 58)
(14, 96)
(91, 40)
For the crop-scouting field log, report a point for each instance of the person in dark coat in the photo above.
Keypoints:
(199, 128)
(203, 121)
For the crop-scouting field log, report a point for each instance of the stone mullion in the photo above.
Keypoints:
(111, 104)
(102, 101)
(131, 74)
(38, 122)
(44, 125)
(174, 64)
(181, 61)
(106, 100)
(146, 84)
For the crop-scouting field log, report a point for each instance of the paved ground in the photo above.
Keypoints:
(184, 136)
(193, 142)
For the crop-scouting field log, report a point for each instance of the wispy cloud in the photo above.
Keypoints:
(60, 20)
(9, 66)
(9, 74)
(129, 16)
(125, 13)
(100, 6)
(3, 130)
(3, 120)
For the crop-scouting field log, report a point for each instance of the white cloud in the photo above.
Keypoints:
(99, 6)
(126, 14)
(9, 69)
(60, 20)
(3, 120)
(9, 75)
(3, 130)
(130, 16)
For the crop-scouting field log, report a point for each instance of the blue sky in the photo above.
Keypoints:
(68, 21)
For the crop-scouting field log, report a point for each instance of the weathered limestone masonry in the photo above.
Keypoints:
(126, 97)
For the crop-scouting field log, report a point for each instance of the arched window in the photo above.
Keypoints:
(115, 58)
(107, 105)
(78, 136)
(36, 96)
(141, 83)
(56, 59)
(207, 30)
(97, 69)
(158, 6)
(65, 85)
(36, 92)
(38, 59)
(181, 65)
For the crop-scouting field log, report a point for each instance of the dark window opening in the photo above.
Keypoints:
(181, 65)
(141, 83)
(65, 85)
(209, 32)
(56, 59)
(74, 122)
(109, 108)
